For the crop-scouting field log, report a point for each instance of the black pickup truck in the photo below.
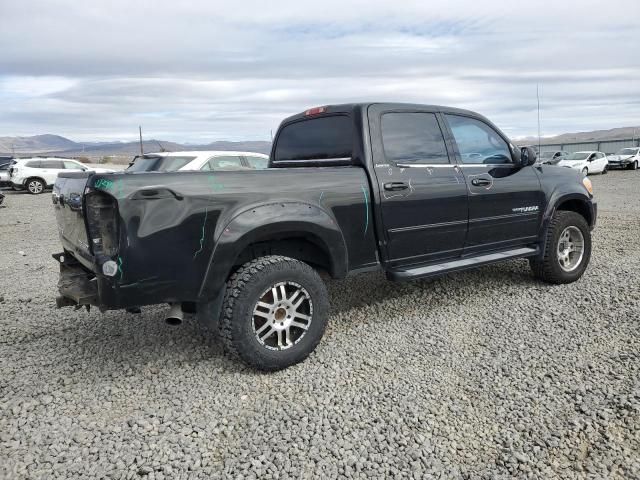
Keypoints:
(416, 191)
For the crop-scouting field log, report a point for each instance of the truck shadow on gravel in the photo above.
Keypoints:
(368, 289)
(107, 344)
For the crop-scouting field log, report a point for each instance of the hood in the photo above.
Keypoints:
(572, 163)
(619, 157)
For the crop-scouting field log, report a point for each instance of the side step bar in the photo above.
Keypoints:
(461, 264)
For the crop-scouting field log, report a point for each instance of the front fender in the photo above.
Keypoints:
(556, 200)
(268, 222)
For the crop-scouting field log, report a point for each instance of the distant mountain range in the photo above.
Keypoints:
(61, 146)
(580, 137)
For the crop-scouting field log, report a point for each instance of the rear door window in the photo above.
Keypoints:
(257, 162)
(52, 164)
(228, 162)
(72, 166)
(323, 138)
(413, 137)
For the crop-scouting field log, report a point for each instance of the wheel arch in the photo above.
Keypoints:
(574, 202)
(577, 205)
(35, 177)
(297, 230)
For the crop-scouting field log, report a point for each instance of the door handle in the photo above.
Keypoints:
(480, 182)
(396, 186)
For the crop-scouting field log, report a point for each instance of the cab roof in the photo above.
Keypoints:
(356, 108)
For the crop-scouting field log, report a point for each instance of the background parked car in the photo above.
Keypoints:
(586, 162)
(625, 158)
(5, 163)
(37, 174)
(198, 160)
(552, 157)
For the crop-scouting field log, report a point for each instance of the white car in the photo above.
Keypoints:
(5, 163)
(37, 174)
(198, 160)
(625, 158)
(586, 162)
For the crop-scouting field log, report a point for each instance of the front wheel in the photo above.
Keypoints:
(634, 165)
(275, 312)
(585, 171)
(567, 249)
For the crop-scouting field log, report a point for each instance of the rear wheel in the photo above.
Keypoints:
(585, 171)
(275, 312)
(605, 170)
(567, 249)
(35, 186)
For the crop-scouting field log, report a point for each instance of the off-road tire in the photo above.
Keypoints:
(243, 291)
(34, 181)
(548, 267)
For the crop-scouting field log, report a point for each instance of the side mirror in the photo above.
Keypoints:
(528, 156)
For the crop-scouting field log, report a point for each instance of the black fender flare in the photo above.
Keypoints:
(266, 222)
(556, 200)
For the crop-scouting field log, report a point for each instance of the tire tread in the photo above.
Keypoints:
(235, 287)
(543, 268)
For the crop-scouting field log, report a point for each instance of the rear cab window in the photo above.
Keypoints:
(321, 138)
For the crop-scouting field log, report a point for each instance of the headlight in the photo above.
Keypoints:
(587, 184)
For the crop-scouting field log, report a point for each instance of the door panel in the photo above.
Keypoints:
(505, 200)
(423, 196)
(504, 207)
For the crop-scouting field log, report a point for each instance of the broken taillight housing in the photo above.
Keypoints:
(102, 220)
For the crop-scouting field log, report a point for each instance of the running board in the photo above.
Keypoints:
(461, 264)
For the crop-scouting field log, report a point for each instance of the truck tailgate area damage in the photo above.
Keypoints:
(76, 285)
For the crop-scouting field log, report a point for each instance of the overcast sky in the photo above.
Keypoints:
(203, 70)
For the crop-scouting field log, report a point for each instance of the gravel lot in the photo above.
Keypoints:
(485, 374)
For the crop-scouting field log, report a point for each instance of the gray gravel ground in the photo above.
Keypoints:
(485, 374)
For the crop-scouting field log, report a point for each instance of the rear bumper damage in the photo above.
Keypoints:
(76, 285)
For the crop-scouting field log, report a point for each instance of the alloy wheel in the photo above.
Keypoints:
(570, 248)
(282, 315)
(35, 186)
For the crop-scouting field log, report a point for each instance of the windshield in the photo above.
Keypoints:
(627, 151)
(578, 156)
(158, 164)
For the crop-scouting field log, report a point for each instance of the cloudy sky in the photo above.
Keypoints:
(204, 70)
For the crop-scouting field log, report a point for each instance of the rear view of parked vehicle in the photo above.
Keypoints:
(37, 174)
(198, 160)
(552, 157)
(586, 162)
(625, 158)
